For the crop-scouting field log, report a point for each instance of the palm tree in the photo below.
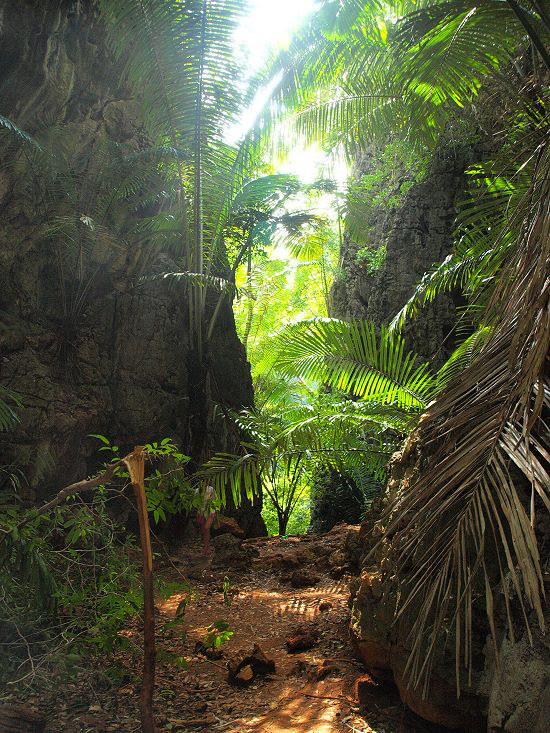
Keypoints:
(358, 72)
(362, 72)
(378, 392)
(183, 64)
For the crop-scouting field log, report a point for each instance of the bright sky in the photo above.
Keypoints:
(269, 25)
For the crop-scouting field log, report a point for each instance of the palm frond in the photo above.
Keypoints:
(195, 279)
(464, 355)
(238, 473)
(464, 518)
(486, 227)
(400, 67)
(353, 358)
(8, 401)
(184, 65)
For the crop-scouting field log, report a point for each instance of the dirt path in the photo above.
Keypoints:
(263, 610)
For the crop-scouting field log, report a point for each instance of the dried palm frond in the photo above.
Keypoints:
(464, 521)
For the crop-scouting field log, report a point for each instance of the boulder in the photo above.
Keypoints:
(384, 646)
(279, 560)
(337, 558)
(440, 704)
(227, 525)
(244, 667)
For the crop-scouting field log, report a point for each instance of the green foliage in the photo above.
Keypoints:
(217, 634)
(225, 589)
(167, 489)
(68, 586)
(372, 257)
(299, 519)
(69, 581)
(296, 434)
(182, 61)
(396, 68)
(8, 401)
(351, 357)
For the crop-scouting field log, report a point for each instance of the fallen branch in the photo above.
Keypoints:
(355, 662)
(79, 487)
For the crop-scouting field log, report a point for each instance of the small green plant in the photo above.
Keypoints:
(69, 571)
(372, 257)
(68, 586)
(217, 634)
(176, 660)
(167, 489)
(225, 589)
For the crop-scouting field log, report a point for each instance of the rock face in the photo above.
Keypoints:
(417, 234)
(384, 647)
(87, 349)
(520, 687)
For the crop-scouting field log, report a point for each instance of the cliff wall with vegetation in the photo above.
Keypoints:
(89, 341)
(407, 208)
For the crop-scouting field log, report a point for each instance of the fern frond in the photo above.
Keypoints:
(195, 279)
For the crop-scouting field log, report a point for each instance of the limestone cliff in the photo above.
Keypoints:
(89, 344)
(416, 232)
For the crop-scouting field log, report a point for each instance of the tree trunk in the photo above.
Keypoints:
(136, 466)
(283, 522)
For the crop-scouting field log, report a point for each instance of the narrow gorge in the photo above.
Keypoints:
(274, 385)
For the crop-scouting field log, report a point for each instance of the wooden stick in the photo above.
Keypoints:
(135, 463)
(136, 467)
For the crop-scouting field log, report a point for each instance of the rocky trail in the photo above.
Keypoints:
(291, 666)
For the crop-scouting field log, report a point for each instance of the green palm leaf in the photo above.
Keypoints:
(7, 124)
(353, 358)
(467, 499)
(8, 401)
